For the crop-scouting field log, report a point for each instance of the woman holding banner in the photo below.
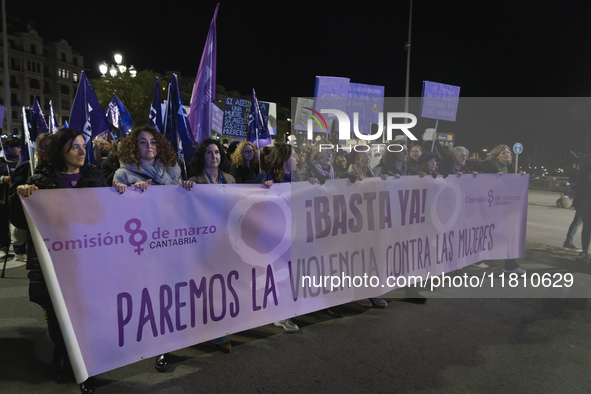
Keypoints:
(498, 161)
(146, 158)
(412, 163)
(245, 163)
(205, 169)
(208, 164)
(67, 169)
(394, 163)
(319, 167)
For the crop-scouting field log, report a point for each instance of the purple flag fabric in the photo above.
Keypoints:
(176, 129)
(87, 116)
(155, 117)
(258, 132)
(119, 117)
(39, 123)
(53, 125)
(204, 88)
(179, 123)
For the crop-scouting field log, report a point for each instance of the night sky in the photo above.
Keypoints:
(488, 48)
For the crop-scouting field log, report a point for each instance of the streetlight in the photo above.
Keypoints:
(103, 68)
(118, 68)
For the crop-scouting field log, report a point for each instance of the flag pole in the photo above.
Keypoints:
(27, 137)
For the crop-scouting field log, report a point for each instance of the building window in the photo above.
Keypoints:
(34, 84)
(75, 60)
(33, 49)
(64, 89)
(65, 104)
(75, 77)
(63, 57)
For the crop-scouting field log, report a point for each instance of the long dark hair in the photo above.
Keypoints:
(198, 161)
(276, 160)
(64, 137)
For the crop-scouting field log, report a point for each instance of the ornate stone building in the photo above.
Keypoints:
(49, 71)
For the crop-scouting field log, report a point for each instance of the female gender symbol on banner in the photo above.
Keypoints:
(261, 245)
(455, 202)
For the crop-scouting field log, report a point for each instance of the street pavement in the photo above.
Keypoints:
(448, 345)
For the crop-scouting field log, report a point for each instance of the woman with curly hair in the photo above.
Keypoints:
(146, 158)
(245, 163)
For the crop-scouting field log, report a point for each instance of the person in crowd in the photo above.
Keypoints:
(280, 165)
(67, 168)
(394, 163)
(456, 163)
(578, 219)
(206, 167)
(146, 158)
(319, 167)
(232, 148)
(340, 165)
(265, 152)
(360, 170)
(245, 163)
(360, 166)
(304, 156)
(428, 164)
(101, 149)
(582, 203)
(111, 164)
(8, 163)
(498, 161)
(412, 164)
(20, 234)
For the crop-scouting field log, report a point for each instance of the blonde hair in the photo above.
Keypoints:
(238, 158)
(493, 156)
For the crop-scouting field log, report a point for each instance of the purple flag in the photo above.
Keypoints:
(155, 117)
(204, 88)
(258, 132)
(87, 116)
(39, 123)
(119, 117)
(176, 128)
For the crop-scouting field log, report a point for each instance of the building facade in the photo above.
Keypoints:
(48, 71)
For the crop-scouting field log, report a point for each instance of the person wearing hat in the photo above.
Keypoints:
(428, 163)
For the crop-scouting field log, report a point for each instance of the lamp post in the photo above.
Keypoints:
(118, 68)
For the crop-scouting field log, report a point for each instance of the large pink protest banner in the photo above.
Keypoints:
(144, 273)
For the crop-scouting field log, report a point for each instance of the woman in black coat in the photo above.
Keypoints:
(67, 168)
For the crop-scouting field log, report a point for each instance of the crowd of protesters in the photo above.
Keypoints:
(145, 158)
